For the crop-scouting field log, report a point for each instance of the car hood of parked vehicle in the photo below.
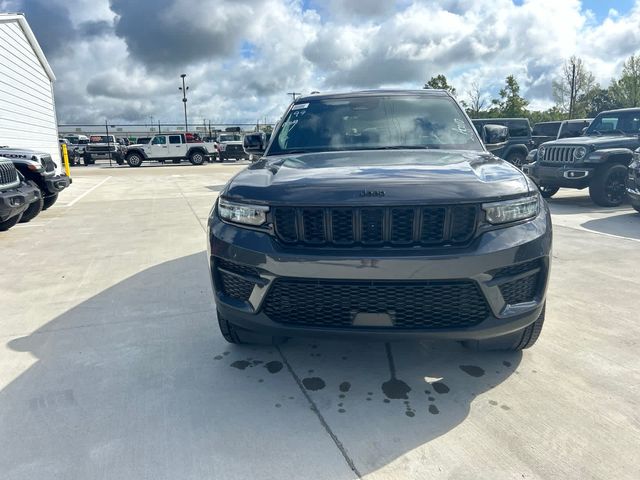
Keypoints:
(363, 177)
(21, 153)
(598, 141)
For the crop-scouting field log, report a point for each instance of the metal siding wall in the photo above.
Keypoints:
(27, 108)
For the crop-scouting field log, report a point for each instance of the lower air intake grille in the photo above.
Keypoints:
(519, 291)
(334, 303)
(236, 287)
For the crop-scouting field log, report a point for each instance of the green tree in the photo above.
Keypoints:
(597, 100)
(626, 90)
(440, 82)
(575, 82)
(510, 103)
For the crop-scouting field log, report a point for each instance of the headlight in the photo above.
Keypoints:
(255, 215)
(579, 153)
(511, 210)
(541, 150)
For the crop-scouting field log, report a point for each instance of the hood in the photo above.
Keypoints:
(604, 141)
(359, 177)
(21, 153)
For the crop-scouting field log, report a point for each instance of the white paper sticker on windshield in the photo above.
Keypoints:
(300, 106)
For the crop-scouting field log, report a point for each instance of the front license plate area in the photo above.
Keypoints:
(366, 319)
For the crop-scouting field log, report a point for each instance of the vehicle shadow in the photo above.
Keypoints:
(627, 225)
(136, 382)
(580, 203)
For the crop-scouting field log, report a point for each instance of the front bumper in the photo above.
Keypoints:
(16, 201)
(57, 183)
(492, 251)
(566, 176)
(633, 192)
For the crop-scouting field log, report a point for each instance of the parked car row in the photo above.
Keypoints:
(600, 159)
(28, 184)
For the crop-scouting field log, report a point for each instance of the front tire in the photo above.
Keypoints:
(240, 336)
(608, 187)
(548, 192)
(34, 209)
(513, 342)
(49, 201)
(196, 158)
(7, 224)
(134, 159)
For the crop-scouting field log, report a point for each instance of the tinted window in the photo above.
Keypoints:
(518, 128)
(159, 140)
(572, 129)
(375, 122)
(616, 123)
(175, 139)
(546, 129)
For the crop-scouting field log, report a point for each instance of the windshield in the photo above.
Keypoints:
(616, 123)
(372, 123)
(229, 138)
(102, 139)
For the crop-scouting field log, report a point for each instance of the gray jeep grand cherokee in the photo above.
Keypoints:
(381, 214)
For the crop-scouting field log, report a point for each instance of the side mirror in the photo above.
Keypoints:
(494, 136)
(255, 143)
(583, 130)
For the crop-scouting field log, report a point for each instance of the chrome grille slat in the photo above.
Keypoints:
(558, 155)
(8, 174)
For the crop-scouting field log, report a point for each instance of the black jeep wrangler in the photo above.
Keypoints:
(39, 170)
(519, 142)
(380, 214)
(16, 196)
(598, 159)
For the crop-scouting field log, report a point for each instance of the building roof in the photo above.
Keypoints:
(24, 25)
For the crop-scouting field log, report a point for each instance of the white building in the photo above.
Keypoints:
(27, 107)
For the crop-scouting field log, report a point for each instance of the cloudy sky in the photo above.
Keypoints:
(121, 59)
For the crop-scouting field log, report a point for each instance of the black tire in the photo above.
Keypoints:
(239, 336)
(7, 224)
(49, 200)
(87, 159)
(548, 192)
(518, 159)
(196, 158)
(607, 189)
(134, 159)
(35, 208)
(514, 342)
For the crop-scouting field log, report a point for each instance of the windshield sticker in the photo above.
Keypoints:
(300, 106)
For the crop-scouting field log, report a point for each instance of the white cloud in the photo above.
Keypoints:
(121, 60)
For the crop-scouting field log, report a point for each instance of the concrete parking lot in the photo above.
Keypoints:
(111, 364)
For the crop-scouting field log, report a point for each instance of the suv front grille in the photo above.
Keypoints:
(335, 303)
(376, 226)
(555, 155)
(8, 174)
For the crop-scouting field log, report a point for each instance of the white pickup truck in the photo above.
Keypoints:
(172, 146)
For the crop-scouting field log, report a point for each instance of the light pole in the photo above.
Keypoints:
(184, 89)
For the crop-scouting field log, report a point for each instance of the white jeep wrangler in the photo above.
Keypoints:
(172, 147)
